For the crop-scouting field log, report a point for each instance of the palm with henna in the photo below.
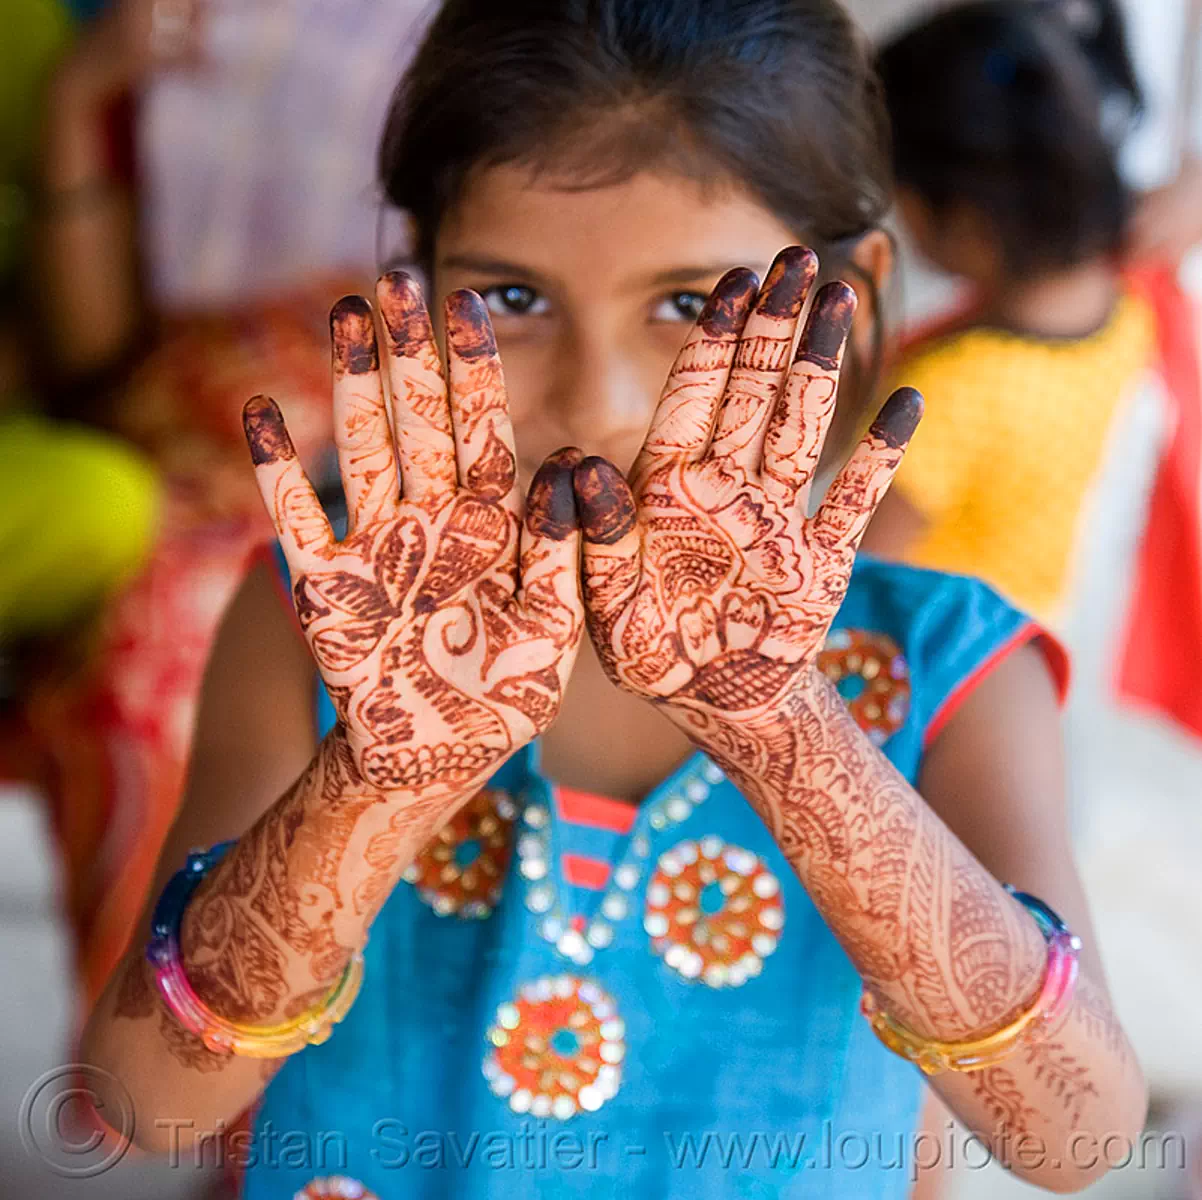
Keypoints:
(707, 586)
(443, 627)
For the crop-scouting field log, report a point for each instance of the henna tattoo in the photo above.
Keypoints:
(894, 425)
(135, 994)
(353, 337)
(468, 326)
(551, 505)
(443, 632)
(716, 606)
(1063, 1074)
(266, 433)
(188, 1050)
(787, 282)
(726, 307)
(1098, 1021)
(1003, 1099)
(824, 336)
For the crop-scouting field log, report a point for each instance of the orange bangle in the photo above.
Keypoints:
(932, 1056)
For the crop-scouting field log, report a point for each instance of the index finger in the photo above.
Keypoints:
(684, 418)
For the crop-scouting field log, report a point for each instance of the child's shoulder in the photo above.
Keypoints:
(911, 599)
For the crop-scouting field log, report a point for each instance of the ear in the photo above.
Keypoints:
(875, 257)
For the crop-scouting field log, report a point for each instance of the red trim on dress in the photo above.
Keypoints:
(1053, 651)
(597, 812)
(581, 871)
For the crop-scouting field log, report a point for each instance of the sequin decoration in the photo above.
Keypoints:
(872, 676)
(713, 912)
(557, 1049)
(573, 937)
(462, 871)
(334, 1187)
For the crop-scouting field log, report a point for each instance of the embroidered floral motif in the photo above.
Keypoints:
(713, 912)
(557, 1049)
(871, 674)
(462, 871)
(334, 1187)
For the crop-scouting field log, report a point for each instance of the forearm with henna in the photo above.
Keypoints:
(936, 938)
(709, 589)
(268, 933)
(941, 945)
(444, 626)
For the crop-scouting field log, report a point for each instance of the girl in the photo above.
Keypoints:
(624, 888)
(1006, 156)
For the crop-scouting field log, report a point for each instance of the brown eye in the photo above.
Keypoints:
(514, 300)
(679, 306)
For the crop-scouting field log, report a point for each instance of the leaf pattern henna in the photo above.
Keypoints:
(710, 589)
(443, 625)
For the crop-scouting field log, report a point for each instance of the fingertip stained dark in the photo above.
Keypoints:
(727, 306)
(266, 434)
(469, 330)
(354, 336)
(788, 280)
(404, 311)
(898, 418)
(827, 326)
(604, 502)
(551, 502)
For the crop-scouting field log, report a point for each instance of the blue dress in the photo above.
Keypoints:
(570, 996)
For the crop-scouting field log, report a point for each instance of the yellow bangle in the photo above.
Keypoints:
(931, 1056)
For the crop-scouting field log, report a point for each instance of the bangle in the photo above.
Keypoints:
(1059, 979)
(219, 1035)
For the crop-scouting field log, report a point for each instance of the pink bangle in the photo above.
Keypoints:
(219, 1035)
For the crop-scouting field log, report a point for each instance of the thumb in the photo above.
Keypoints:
(612, 544)
(549, 570)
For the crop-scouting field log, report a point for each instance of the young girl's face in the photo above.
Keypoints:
(592, 293)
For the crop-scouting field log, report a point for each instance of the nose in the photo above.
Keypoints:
(605, 401)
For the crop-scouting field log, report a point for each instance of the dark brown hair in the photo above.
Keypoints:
(1008, 107)
(778, 95)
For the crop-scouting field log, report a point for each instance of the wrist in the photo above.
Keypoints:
(753, 744)
(410, 777)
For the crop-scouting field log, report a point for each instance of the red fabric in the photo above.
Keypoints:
(1162, 648)
(598, 812)
(581, 871)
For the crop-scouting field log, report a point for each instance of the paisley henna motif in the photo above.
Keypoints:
(709, 590)
(442, 625)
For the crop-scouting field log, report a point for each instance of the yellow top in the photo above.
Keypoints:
(1013, 434)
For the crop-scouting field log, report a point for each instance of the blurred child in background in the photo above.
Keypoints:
(1006, 159)
(1059, 457)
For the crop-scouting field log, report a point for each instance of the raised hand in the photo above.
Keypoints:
(707, 586)
(443, 625)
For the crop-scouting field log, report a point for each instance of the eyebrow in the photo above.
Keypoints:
(492, 266)
(502, 267)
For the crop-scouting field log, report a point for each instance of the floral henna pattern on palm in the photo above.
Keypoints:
(706, 585)
(444, 626)
(709, 590)
(437, 668)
